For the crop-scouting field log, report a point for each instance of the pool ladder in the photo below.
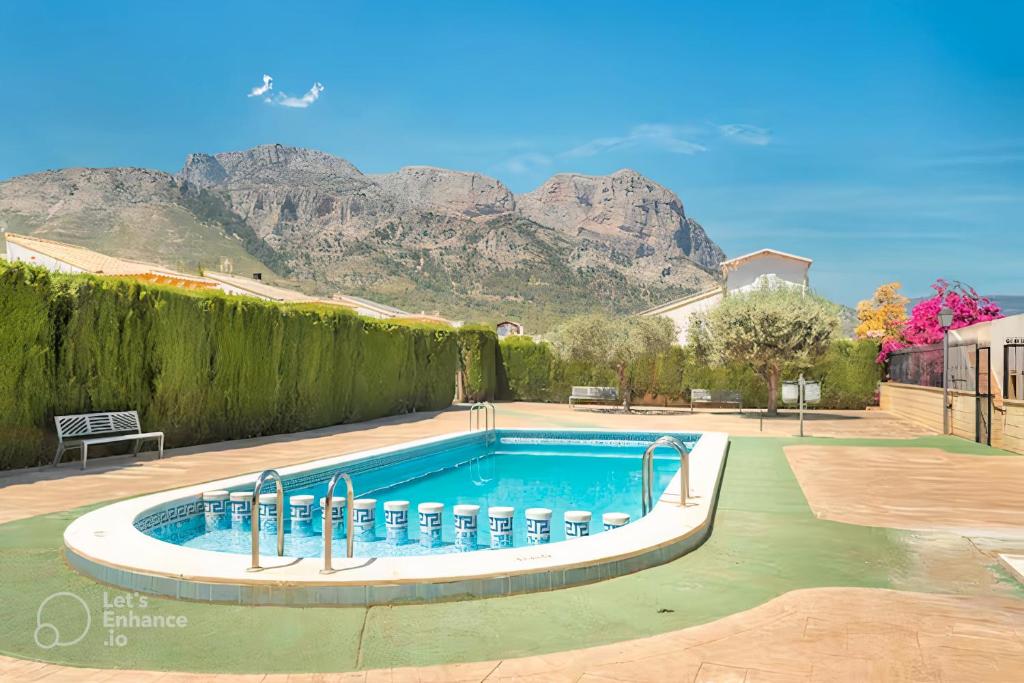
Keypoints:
(255, 516)
(489, 413)
(647, 472)
(328, 530)
(490, 419)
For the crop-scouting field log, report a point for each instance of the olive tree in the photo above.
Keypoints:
(766, 329)
(615, 343)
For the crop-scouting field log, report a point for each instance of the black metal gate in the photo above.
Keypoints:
(983, 395)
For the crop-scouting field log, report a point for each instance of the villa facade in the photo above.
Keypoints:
(765, 267)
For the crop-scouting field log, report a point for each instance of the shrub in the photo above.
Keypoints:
(478, 357)
(848, 373)
(200, 366)
(26, 360)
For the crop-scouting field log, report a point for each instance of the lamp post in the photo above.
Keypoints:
(945, 321)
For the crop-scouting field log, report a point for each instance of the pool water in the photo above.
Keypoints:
(560, 471)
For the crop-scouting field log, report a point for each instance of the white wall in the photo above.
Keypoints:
(238, 291)
(994, 334)
(16, 252)
(745, 276)
(370, 313)
(681, 316)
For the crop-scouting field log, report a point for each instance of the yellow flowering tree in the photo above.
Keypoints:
(883, 316)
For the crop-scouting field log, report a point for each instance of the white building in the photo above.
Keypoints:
(509, 328)
(743, 273)
(68, 258)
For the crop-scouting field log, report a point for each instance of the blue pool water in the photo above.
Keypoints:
(560, 470)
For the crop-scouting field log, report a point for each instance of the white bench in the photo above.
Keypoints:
(82, 431)
(719, 397)
(593, 395)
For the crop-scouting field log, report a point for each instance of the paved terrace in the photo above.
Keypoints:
(785, 590)
(26, 493)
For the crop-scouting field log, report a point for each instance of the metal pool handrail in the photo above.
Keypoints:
(647, 471)
(255, 513)
(328, 519)
(490, 420)
(490, 416)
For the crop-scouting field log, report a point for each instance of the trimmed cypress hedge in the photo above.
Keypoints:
(201, 367)
(478, 355)
(533, 372)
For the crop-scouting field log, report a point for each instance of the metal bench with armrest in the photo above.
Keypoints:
(716, 397)
(82, 431)
(587, 395)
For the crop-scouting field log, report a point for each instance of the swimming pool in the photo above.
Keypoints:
(550, 471)
(184, 543)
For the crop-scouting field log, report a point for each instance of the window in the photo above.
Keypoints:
(1013, 371)
(962, 371)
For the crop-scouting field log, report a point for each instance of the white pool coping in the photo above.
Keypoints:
(105, 544)
(1015, 565)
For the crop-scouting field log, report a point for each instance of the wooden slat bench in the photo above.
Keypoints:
(716, 397)
(602, 395)
(82, 431)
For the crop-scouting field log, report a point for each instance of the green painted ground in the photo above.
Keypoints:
(765, 542)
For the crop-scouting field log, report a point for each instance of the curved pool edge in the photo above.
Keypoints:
(106, 547)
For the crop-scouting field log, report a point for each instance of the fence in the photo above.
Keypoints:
(920, 365)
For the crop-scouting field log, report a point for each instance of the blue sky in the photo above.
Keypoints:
(883, 140)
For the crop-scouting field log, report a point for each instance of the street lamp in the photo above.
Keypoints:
(945, 321)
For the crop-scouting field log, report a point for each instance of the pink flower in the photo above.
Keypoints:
(923, 327)
(967, 306)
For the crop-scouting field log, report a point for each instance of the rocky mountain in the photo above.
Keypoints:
(421, 238)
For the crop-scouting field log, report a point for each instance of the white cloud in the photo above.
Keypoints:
(268, 84)
(301, 102)
(657, 135)
(283, 99)
(746, 134)
(525, 163)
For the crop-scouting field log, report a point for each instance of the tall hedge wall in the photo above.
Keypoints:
(532, 372)
(478, 355)
(200, 367)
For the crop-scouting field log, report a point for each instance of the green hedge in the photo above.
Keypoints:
(532, 372)
(478, 355)
(201, 367)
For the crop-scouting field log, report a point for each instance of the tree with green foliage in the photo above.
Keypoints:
(767, 329)
(616, 343)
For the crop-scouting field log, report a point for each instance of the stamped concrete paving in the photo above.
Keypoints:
(766, 544)
(824, 634)
(911, 488)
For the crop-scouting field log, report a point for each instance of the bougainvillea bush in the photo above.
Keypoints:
(967, 305)
(923, 327)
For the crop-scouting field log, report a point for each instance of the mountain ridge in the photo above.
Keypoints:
(422, 237)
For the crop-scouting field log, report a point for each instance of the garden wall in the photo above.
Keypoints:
(201, 367)
(923, 405)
